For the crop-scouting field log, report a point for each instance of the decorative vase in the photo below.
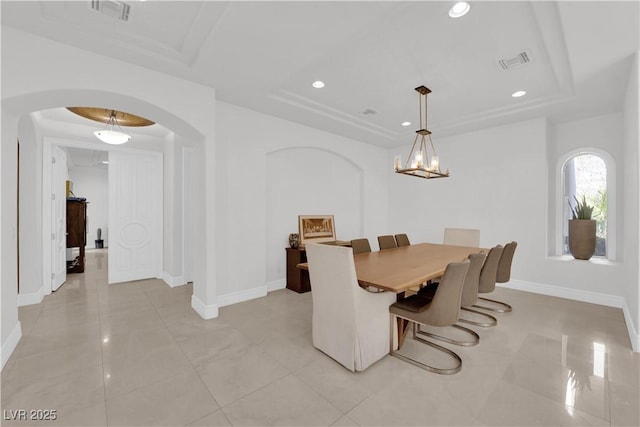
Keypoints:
(293, 240)
(582, 238)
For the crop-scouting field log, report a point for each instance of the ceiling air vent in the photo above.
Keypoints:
(515, 61)
(369, 112)
(112, 8)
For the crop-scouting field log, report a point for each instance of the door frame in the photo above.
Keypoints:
(47, 144)
(58, 189)
(188, 210)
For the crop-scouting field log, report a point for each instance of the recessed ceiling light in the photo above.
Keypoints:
(519, 93)
(406, 123)
(459, 9)
(318, 84)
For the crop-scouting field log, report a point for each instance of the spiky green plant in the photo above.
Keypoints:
(582, 210)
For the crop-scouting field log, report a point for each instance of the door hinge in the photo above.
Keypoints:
(53, 160)
(53, 236)
(53, 196)
(53, 276)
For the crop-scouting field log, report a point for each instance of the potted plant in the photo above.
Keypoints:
(582, 230)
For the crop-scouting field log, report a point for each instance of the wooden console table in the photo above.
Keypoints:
(297, 280)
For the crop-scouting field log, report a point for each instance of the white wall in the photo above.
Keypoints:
(9, 325)
(631, 198)
(30, 208)
(91, 182)
(497, 184)
(601, 133)
(271, 171)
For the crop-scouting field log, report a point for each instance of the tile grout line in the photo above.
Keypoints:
(190, 363)
(104, 384)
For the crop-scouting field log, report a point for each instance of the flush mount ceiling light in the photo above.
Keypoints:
(405, 124)
(459, 9)
(318, 84)
(519, 93)
(419, 163)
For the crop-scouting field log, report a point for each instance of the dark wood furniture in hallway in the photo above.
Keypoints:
(76, 232)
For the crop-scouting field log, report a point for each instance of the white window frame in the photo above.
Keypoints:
(611, 198)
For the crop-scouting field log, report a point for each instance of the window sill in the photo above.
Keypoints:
(594, 260)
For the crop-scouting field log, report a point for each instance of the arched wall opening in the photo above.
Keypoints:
(17, 113)
(309, 181)
(610, 200)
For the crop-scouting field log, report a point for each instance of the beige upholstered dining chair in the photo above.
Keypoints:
(469, 292)
(462, 237)
(442, 310)
(504, 266)
(387, 242)
(349, 324)
(402, 240)
(487, 283)
(360, 245)
(503, 275)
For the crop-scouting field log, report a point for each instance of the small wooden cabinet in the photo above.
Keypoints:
(76, 232)
(297, 280)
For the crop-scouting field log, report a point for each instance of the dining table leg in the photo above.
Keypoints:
(402, 324)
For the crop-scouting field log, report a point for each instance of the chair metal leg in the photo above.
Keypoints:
(441, 371)
(491, 322)
(507, 307)
(474, 336)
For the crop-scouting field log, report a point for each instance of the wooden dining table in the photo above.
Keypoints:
(401, 269)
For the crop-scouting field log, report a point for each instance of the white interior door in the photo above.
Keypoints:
(58, 217)
(135, 216)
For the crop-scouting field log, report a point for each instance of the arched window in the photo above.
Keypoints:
(586, 175)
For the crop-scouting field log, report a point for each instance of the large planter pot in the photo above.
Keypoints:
(582, 238)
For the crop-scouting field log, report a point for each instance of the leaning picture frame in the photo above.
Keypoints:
(316, 228)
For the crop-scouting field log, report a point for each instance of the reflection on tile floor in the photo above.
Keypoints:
(137, 354)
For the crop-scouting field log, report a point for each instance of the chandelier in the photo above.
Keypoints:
(423, 160)
(111, 136)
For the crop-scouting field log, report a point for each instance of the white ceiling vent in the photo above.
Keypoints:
(369, 112)
(112, 8)
(515, 61)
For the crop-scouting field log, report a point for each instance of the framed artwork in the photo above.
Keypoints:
(316, 228)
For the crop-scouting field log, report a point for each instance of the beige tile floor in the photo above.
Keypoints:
(137, 354)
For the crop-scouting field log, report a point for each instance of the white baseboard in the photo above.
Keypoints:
(240, 296)
(568, 293)
(583, 296)
(634, 336)
(172, 281)
(10, 344)
(276, 285)
(32, 298)
(205, 311)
